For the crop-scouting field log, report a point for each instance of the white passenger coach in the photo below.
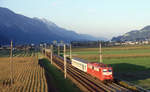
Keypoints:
(80, 64)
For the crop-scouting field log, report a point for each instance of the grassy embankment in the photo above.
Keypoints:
(63, 85)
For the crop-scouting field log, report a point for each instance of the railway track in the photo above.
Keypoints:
(84, 81)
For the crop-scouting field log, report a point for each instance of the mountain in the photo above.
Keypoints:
(22, 29)
(86, 36)
(134, 35)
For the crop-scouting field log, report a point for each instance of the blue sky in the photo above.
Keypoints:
(105, 18)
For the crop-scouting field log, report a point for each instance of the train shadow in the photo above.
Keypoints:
(43, 63)
(130, 72)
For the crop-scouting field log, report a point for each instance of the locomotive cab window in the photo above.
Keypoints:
(90, 66)
(109, 70)
(96, 68)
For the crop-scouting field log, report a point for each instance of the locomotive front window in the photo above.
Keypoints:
(96, 68)
(109, 70)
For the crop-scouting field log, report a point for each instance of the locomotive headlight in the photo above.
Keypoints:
(104, 70)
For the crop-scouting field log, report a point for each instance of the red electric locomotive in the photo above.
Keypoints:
(101, 71)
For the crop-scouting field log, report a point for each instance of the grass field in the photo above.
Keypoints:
(27, 74)
(130, 63)
(16, 53)
(30, 76)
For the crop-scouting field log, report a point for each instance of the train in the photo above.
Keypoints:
(101, 71)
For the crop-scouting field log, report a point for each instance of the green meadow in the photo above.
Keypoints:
(130, 63)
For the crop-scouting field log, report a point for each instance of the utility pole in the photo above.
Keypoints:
(51, 51)
(65, 61)
(70, 52)
(45, 50)
(42, 48)
(100, 52)
(58, 50)
(35, 58)
(37, 54)
(11, 61)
